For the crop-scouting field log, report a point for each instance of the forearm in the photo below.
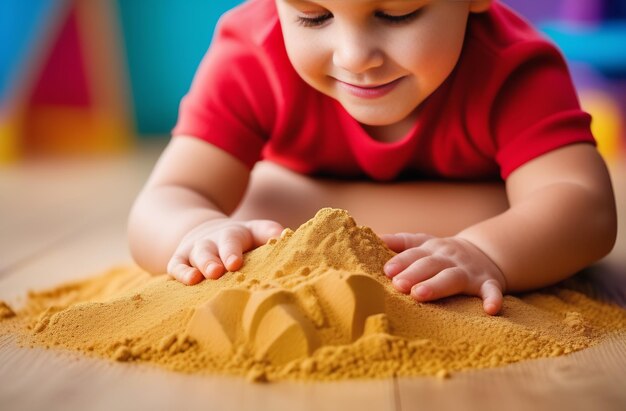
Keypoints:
(159, 219)
(549, 236)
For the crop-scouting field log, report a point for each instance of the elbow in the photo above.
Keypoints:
(611, 236)
(142, 248)
(143, 260)
(147, 267)
(605, 231)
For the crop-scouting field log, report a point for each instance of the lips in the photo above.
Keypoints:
(369, 91)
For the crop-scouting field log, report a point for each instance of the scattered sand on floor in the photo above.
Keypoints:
(5, 311)
(313, 304)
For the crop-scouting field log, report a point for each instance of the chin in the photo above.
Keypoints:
(374, 117)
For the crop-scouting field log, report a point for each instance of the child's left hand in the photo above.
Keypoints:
(432, 267)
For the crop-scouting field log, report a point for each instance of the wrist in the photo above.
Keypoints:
(494, 271)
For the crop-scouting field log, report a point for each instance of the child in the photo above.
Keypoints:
(342, 98)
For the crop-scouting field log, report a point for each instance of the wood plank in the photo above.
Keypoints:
(45, 202)
(80, 256)
(585, 380)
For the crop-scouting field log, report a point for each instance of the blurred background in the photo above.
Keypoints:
(99, 76)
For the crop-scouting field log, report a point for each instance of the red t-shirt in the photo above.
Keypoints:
(508, 100)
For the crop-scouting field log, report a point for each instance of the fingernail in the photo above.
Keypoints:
(188, 277)
(390, 269)
(231, 260)
(402, 285)
(491, 309)
(421, 292)
(211, 269)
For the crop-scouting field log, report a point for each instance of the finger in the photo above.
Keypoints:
(263, 230)
(204, 256)
(491, 294)
(403, 241)
(179, 268)
(231, 245)
(448, 282)
(402, 261)
(418, 271)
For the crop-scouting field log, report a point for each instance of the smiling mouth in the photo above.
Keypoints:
(369, 91)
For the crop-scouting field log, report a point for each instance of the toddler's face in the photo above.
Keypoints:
(379, 58)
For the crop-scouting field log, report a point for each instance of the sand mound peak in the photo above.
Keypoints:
(330, 240)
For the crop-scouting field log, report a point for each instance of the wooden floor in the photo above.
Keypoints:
(66, 220)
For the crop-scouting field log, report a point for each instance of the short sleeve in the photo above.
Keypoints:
(536, 109)
(230, 102)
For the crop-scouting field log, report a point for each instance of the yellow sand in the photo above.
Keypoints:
(313, 304)
(5, 311)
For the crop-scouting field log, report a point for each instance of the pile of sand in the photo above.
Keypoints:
(313, 304)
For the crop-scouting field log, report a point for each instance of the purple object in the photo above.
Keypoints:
(537, 11)
(582, 11)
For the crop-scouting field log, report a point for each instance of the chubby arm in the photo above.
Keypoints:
(179, 222)
(561, 218)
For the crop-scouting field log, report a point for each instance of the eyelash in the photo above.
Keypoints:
(321, 19)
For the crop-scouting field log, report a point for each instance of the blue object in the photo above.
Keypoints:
(21, 25)
(602, 46)
(165, 41)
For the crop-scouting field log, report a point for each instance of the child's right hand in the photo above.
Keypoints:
(218, 245)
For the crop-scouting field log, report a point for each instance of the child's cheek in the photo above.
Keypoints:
(310, 62)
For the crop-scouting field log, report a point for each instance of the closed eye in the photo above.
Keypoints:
(315, 21)
(319, 20)
(403, 18)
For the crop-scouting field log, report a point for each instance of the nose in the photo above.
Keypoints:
(356, 52)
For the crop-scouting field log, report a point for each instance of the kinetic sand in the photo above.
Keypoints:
(313, 304)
